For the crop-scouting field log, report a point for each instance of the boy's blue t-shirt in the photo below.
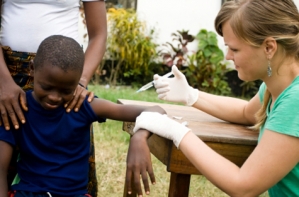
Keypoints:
(284, 118)
(54, 149)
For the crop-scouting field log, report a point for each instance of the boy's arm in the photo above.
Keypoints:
(5, 157)
(113, 111)
(139, 165)
(138, 157)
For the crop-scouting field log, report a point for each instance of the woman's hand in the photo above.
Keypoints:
(79, 96)
(12, 101)
(161, 125)
(139, 163)
(175, 89)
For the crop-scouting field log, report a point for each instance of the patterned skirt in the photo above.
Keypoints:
(18, 64)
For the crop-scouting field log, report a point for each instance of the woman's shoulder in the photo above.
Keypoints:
(293, 89)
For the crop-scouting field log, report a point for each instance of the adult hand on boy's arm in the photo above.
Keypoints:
(139, 163)
(79, 96)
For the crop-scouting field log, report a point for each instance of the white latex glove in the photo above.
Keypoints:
(175, 89)
(161, 125)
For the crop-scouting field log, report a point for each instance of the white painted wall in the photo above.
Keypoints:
(169, 16)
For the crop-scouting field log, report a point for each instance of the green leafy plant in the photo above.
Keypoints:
(130, 46)
(177, 55)
(240, 88)
(249, 88)
(205, 70)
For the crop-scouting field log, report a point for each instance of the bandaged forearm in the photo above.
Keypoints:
(161, 125)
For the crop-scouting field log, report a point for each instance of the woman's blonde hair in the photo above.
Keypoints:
(255, 20)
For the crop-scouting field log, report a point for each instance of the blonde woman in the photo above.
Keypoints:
(263, 42)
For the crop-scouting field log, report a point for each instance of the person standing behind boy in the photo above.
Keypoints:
(24, 24)
(54, 144)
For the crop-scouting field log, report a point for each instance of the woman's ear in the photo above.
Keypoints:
(31, 67)
(270, 47)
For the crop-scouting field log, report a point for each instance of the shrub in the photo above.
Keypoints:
(177, 55)
(206, 70)
(239, 88)
(130, 47)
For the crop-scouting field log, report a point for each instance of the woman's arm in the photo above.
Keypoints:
(96, 23)
(274, 157)
(11, 96)
(5, 156)
(230, 109)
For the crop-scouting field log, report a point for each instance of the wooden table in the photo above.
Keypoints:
(234, 142)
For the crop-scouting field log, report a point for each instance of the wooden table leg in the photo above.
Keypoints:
(133, 194)
(179, 185)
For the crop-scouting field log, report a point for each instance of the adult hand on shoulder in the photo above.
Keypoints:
(175, 89)
(161, 125)
(79, 96)
(139, 163)
(12, 101)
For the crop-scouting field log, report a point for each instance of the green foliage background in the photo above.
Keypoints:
(132, 57)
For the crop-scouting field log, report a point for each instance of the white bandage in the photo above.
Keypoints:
(161, 125)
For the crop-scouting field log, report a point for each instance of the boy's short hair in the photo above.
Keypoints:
(60, 51)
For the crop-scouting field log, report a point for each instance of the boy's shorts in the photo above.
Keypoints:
(34, 194)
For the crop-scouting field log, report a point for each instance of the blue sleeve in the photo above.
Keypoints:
(7, 136)
(90, 112)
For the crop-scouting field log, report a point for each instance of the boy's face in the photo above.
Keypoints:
(54, 87)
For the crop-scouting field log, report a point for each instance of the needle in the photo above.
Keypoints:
(151, 84)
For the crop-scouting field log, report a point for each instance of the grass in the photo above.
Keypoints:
(111, 145)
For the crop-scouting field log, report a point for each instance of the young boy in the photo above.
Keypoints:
(54, 145)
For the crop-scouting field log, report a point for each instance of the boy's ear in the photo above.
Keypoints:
(31, 67)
